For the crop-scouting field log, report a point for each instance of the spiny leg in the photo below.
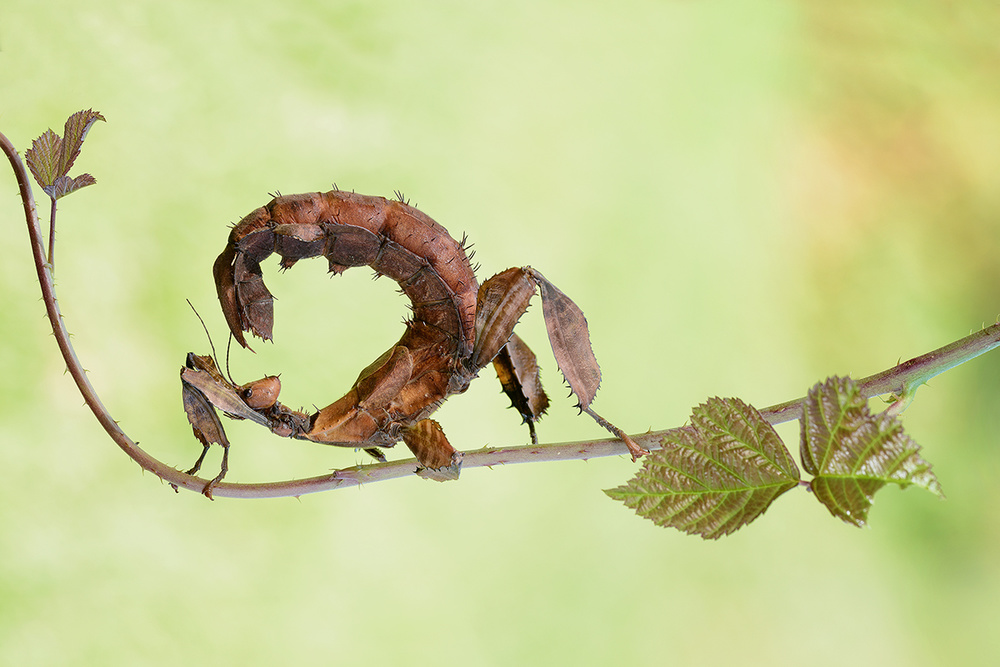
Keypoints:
(633, 448)
(201, 459)
(224, 468)
(375, 453)
(517, 370)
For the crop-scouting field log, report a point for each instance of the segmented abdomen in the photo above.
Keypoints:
(394, 239)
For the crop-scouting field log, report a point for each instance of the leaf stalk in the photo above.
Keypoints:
(52, 236)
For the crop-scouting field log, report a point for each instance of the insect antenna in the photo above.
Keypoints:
(229, 345)
(208, 335)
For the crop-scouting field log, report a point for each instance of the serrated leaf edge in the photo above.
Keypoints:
(710, 438)
(886, 428)
(50, 156)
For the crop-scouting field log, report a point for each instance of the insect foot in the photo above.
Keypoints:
(438, 459)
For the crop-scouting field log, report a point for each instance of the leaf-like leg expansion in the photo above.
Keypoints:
(205, 424)
(225, 285)
(256, 305)
(570, 339)
(501, 301)
(200, 412)
(517, 370)
(438, 459)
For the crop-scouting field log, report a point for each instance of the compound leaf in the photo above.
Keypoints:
(714, 476)
(853, 453)
(51, 156)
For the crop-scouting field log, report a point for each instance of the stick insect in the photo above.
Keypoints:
(456, 328)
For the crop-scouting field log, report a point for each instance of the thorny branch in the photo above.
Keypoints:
(901, 381)
(90, 396)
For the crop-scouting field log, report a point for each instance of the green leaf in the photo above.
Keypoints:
(714, 476)
(43, 158)
(853, 453)
(65, 185)
(51, 156)
(75, 131)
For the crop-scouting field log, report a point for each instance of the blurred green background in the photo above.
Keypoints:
(743, 197)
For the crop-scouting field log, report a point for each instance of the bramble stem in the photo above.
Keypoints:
(901, 380)
(90, 396)
(52, 236)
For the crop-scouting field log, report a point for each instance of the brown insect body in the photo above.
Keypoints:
(456, 328)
